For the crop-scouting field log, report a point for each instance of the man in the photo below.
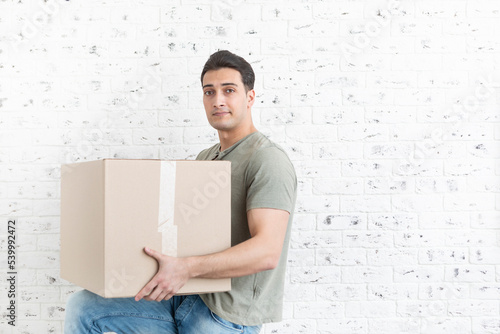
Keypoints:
(263, 193)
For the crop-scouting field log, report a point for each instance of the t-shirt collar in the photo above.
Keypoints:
(220, 154)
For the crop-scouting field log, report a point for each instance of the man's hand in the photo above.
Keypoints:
(171, 276)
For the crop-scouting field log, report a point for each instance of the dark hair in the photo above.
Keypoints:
(224, 58)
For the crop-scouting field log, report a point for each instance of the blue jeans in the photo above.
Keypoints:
(89, 313)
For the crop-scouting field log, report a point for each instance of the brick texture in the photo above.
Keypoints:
(389, 110)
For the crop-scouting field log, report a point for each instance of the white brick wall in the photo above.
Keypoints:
(389, 110)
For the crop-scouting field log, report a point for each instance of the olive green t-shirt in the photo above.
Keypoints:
(262, 176)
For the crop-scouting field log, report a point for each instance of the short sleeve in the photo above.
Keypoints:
(271, 180)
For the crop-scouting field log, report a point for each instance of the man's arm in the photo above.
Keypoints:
(261, 252)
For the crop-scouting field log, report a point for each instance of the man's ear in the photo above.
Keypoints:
(250, 98)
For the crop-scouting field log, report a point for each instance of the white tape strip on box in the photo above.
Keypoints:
(166, 224)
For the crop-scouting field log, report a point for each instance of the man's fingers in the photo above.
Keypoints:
(152, 253)
(153, 291)
(146, 290)
(154, 294)
(158, 294)
(141, 294)
(164, 285)
(161, 296)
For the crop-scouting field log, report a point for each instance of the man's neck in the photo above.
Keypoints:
(229, 138)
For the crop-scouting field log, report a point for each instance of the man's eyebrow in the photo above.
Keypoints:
(223, 84)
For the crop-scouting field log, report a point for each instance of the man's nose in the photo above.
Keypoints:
(219, 100)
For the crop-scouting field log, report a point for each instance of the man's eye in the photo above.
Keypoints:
(208, 92)
(229, 90)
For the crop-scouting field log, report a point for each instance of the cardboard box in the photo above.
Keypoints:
(111, 209)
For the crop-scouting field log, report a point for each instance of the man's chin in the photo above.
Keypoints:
(221, 126)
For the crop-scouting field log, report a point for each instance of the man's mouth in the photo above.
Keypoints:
(220, 112)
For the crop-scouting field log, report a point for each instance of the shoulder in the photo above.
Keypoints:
(203, 155)
(270, 178)
(270, 158)
(268, 152)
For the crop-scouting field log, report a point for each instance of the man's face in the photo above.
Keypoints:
(226, 102)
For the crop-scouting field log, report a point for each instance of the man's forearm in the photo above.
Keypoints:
(261, 252)
(246, 258)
